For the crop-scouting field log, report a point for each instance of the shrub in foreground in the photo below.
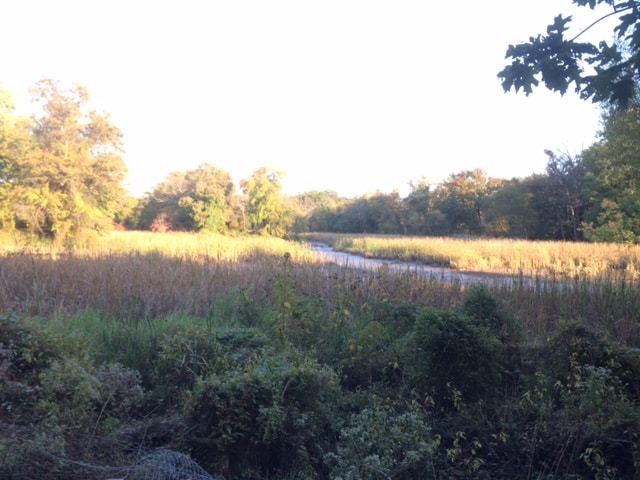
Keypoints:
(451, 353)
(265, 415)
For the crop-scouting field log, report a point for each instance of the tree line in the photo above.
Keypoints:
(61, 176)
(61, 170)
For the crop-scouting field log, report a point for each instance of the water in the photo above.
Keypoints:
(447, 275)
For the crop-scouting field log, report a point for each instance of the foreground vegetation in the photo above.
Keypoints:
(261, 363)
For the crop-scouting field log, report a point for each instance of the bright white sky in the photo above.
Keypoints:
(346, 95)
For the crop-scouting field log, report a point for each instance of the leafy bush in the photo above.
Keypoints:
(265, 414)
(577, 345)
(27, 452)
(24, 353)
(188, 353)
(372, 355)
(484, 307)
(399, 317)
(120, 391)
(451, 353)
(579, 412)
(71, 395)
(382, 442)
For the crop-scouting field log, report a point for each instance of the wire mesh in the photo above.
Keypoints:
(167, 465)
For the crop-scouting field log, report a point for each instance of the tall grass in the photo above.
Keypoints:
(140, 277)
(532, 258)
(188, 274)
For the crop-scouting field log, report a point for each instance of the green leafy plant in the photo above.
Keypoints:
(449, 350)
(384, 442)
(262, 415)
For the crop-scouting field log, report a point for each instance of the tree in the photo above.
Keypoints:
(355, 217)
(387, 212)
(210, 199)
(266, 210)
(127, 215)
(508, 213)
(462, 197)
(70, 178)
(194, 200)
(317, 211)
(566, 187)
(418, 204)
(161, 210)
(15, 143)
(612, 179)
(607, 72)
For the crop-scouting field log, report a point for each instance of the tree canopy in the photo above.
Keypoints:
(193, 200)
(61, 171)
(266, 209)
(606, 72)
(612, 180)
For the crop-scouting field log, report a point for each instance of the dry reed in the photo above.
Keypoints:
(514, 257)
(146, 276)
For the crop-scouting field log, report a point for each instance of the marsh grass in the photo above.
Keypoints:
(134, 278)
(513, 257)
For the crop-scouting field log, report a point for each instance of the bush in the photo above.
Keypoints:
(23, 355)
(381, 442)
(71, 395)
(576, 345)
(580, 412)
(484, 307)
(266, 415)
(450, 355)
(370, 356)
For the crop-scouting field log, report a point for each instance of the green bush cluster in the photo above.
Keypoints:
(267, 413)
(452, 353)
(306, 388)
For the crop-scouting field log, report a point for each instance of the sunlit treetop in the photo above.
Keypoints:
(607, 72)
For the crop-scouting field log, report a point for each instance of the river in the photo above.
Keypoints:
(447, 275)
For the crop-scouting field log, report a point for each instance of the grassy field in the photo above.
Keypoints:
(261, 362)
(513, 257)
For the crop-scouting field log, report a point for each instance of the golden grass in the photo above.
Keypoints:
(514, 257)
(146, 275)
(136, 275)
(200, 246)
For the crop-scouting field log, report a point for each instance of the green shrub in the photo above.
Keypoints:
(265, 415)
(400, 318)
(24, 354)
(371, 355)
(120, 391)
(450, 355)
(24, 351)
(382, 442)
(576, 344)
(485, 308)
(579, 412)
(186, 354)
(28, 453)
(374, 345)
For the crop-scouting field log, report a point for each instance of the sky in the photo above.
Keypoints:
(353, 96)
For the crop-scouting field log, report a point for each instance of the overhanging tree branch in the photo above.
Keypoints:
(604, 17)
(559, 63)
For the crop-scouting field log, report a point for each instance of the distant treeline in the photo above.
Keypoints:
(61, 175)
(589, 196)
